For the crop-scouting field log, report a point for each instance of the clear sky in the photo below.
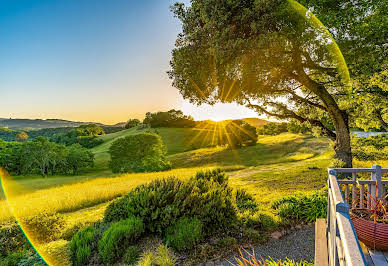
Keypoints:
(91, 60)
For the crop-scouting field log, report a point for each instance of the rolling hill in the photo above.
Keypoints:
(41, 123)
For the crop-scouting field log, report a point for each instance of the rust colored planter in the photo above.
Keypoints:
(373, 235)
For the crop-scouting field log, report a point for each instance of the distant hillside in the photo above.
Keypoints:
(256, 122)
(40, 123)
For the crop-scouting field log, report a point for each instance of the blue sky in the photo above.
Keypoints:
(90, 60)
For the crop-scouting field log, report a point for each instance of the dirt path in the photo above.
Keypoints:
(298, 246)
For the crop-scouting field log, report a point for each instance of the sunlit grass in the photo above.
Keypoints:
(72, 197)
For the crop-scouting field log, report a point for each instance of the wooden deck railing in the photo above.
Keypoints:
(343, 247)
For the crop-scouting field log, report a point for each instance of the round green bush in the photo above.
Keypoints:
(163, 201)
(80, 245)
(117, 237)
(184, 234)
(138, 153)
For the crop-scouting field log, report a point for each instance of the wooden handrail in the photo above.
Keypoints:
(343, 245)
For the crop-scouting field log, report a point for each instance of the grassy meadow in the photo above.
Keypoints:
(296, 163)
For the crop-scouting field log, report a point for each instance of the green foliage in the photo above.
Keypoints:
(131, 255)
(80, 245)
(11, 156)
(44, 157)
(259, 220)
(302, 208)
(8, 134)
(132, 123)
(296, 127)
(184, 234)
(11, 240)
(44, 227)
(172, 118)
(85, 135)
(370, 148)
(245, 201)
(12, 259)
(78, 158)
(117, 237)
(138, 153)
(31, 258)
(163, 201)
(273, 128)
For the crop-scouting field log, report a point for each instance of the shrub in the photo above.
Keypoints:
(184, 234)
(260, 220)
(12, 259)
(80, 245)
(11, 240)
(138, 153)
(117, 210)
(302, 208)
(44, 227)
(31, 258)
(245, 201)
(131, 255)
(163, 201)
(118, 236)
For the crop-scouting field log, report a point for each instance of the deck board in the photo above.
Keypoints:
(379, 258)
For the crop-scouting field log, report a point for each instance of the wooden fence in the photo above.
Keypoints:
(343, 247)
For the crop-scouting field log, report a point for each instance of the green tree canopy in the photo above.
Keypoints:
(132, 123)
(271, 56)
(361, 30)
(138, 153)
(172, 118)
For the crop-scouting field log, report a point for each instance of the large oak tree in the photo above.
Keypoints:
(272, 56)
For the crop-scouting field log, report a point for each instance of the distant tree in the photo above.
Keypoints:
(132, 123)
(10, 156)
(273, 128)
(172, 118)
(89, 130)
(240, 134)
(138, 153)
(79, 158)
(86, 135)
(39, 154)
(21, 137)
(296, 127)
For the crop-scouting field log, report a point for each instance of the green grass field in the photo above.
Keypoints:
(277, 166)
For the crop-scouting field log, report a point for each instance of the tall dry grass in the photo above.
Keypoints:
(72, 197)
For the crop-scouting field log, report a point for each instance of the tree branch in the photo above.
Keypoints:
(287, 114)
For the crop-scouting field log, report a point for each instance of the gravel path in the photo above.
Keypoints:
(298, 245)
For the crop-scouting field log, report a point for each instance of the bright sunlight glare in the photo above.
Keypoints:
(217, 112)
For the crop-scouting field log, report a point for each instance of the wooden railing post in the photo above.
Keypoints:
(354, 190)
(376, 176)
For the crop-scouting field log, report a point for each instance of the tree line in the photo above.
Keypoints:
(8, 134)
(43, 157)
